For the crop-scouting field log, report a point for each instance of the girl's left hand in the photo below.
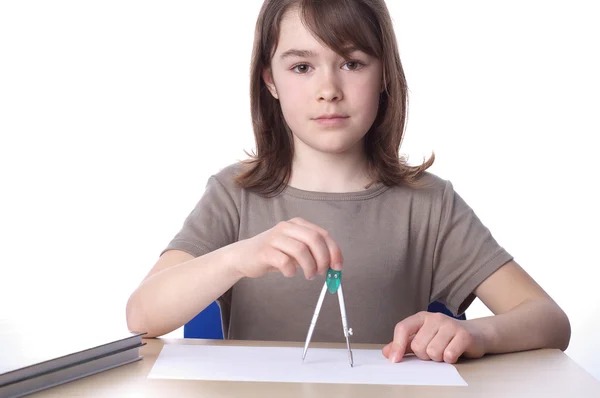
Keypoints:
(437, 337)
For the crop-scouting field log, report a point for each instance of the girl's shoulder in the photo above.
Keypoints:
(224, 179)
(428, 185)
(429, 192)
(227, 175)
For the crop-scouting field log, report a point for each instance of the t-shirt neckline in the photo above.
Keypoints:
(372, 191)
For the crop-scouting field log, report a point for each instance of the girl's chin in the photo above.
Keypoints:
(328, 143)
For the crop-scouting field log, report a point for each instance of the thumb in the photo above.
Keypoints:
(388, 348)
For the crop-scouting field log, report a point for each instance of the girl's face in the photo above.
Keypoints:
(311, 81)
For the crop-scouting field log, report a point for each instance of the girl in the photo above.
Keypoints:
(327, 188)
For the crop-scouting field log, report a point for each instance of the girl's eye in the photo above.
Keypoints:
(301, 68)
(304, 68)
(354, 65)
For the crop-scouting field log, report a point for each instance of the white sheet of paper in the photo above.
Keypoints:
(284, 364)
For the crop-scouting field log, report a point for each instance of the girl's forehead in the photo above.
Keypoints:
(292, 29)
(296, 39)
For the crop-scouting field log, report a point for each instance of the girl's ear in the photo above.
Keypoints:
(268, 79)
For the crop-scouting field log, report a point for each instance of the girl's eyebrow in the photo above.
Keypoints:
(297, 53)
(307, 53)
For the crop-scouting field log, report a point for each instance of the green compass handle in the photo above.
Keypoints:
(334, 280)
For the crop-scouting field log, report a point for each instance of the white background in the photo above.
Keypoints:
(113, 114)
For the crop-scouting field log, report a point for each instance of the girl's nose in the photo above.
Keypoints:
(329, 89)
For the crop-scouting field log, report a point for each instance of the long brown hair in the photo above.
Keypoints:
(367, 25)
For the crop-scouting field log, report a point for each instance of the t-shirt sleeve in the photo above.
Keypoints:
(465, 253)
(212, 223)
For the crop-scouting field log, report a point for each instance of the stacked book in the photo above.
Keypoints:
(31, 361)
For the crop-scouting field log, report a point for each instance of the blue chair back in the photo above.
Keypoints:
(207, 324)
(439, 307)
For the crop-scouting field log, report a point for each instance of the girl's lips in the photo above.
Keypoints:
(336, 121)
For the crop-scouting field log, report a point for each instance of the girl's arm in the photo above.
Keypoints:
(177, 288)
(525, 318)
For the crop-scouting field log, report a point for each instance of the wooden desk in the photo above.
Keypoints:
(544, 373)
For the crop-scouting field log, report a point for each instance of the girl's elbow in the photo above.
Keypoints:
(136, 322)
(563, 330)
(567, 333)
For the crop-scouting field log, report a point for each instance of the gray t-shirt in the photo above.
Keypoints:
(403, 248)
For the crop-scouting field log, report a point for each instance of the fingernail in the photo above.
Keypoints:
(393, 357)
(337, 266)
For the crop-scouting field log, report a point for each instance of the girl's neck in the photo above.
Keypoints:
(326, 172)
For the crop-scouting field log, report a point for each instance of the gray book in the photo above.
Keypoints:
(69, 373)
(32, 361)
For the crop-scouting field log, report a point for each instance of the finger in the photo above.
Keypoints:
(298, 251)
(335, 259)
(423, 338)
(402, 333)
(457, 346)
(388, 348)
(294, 264)
(437, 346)
(282, 262)
(316, 242)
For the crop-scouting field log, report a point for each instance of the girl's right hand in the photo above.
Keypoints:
(287, 246)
